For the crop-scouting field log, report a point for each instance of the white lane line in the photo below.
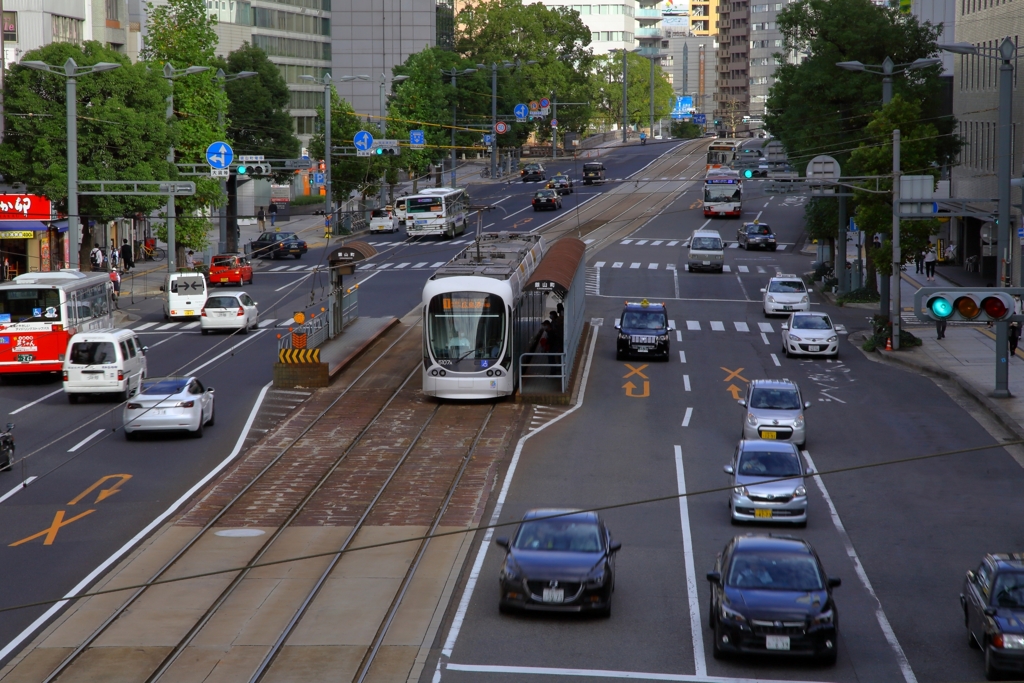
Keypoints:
(599, 264)
(717, 326)
(144, 326)
(765, 327)
(696, 627)
(781, 247)
(765, 338)
(686, 382)
(687, 416)
(503, 199)
(626, 242)
(741, 327)
(291, 284)
(775, 359)
(657, 242)
(833, 397)
(437, 265)
(743, 269)
(758, 216)
(519, 211)
(634, 265)
(402, 265)
(268, 322)
(274, 270)
(682, 355)
(474, 574)
(16, 642)
(883, 621)
(672, 243)
(167, 326)
(766, 204)
(191, 326)
(86, 440)
(652, 266)
(705, 224)
(38, 400)
(167, 338)
(640, 242)
(17, 488)
(679, 337)
(224, 353)
(693, 325)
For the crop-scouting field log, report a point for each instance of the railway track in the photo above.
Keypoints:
(394, 457)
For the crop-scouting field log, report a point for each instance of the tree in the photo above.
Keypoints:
(257, 106)
(606, 86)
(180, 33)
(122, 131)
(686, 130)
(348, 174)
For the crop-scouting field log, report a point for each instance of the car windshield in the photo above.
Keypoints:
(774, 399)
(770, 571)
(1009, 590)
(222, 302)
(93, 353)
(557, 534)
(165, 386)
(706, 243)
(644, 320)
(769, 464)
(812, 322)
(786, 287)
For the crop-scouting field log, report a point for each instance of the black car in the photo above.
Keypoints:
(593, 172)
(561, 184)
(563, 564)
(532, 171)
(643, 331)
(770, 594)
(546, 199)
(993, 602)
(756, 235)
(274, 245)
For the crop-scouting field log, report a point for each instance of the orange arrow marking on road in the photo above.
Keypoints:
(51, 532)
(734, 390)
(697, 204)
(105, 493)
(629, 387)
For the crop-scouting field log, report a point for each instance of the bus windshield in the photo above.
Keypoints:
(466, 326)
(423, 205)
(721, 193)
(30, 304)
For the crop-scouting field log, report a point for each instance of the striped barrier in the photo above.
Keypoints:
(298, 355)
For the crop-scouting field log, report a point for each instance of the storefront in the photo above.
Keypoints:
(27, 242)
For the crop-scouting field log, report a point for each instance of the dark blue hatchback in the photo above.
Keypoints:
(993, 603)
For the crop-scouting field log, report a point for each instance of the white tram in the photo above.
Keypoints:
(477, 318)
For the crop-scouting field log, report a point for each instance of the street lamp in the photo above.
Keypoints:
(326, 81)
(71, 71)
(383, 120)
(172, 74)
(453, 73)
(887, 69)
(651, 58)
(221, 78)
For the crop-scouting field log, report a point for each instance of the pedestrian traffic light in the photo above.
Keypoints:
(965, 305)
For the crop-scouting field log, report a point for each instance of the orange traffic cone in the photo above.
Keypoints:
(888, 344)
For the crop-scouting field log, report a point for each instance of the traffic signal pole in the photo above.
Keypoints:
(897, 304)
(1007, 53)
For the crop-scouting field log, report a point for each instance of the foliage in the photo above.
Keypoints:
(858, 296)
(882, 332)
(348, 174)
(257, 107)
(607, 89)
(686, 130)
(121, 130)
(181, 33)
(821, 218)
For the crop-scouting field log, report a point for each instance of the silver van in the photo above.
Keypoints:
(707, 251)
(109, 361)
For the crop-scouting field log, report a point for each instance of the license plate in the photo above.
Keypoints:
(159, 411)
(553, 595)
(763, 514)
(814, 348)
(721, 213)
(223, 279)
(777, 642)
(25, 358)
(189, 312)
(93, 377)
(787, 308)
(707, 263)
(769, 435)
(640, 350)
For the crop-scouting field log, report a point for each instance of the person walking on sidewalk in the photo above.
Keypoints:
(1013, 336)
(929, 264)
(940, 328)
(273, 215)
(127, 257)
(261, 219)
(919, 262)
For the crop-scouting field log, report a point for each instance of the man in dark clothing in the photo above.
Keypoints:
(273, 214)
(1013, 336)
(127, 257)
(557, 332)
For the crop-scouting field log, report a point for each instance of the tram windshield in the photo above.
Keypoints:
(466, 326)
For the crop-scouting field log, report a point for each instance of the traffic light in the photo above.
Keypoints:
(965, 305)
(748, 174)
(718, 121)
(386, 151)
(254, 169)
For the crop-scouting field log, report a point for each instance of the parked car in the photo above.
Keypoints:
(546, 199)
(810, 334)
(759, 494)
(169, 404)
(274, 245)
(229, 311)
(775, 411)
(993, 604)
(230, 269)
(532, 172)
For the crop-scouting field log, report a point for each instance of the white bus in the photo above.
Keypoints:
(440, 211)
(722, 153)
(723, 190)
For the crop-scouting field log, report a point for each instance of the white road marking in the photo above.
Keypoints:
(519, 211)
(687, 416)
(765, 327)
(274, 270)
(292, 284)
(743, 269)
(705, 224)
(765, 338)
(717, 326)
(760, 269)
(167, 326)
(626, 242)
(17, 488)
(656, 242)
(599, 264)
(191, 326)
(671, 323)
(590, 241)
(696, 627)
(652, 266)
(832, 397)
(734, 245)
(775, 359)
(144, 326)
(38, 400)
(384, 265)
(766, 204)
(366, 266)
(437, 265)
(167, 338)
(741, 327)
(420, 265)
(402, 265)
(86, 440)
(670, 266)
(781, 247)
(693, 325)
(686, 382)
(641, 242)
(268, 322)
(883, 621)
(726, 269)
(458, 241)
(673, 243)
(617, 264)
(503, 199)
(286, 323)
(634, 265)
(758, 216)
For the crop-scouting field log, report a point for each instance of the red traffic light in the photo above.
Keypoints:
(994, 307)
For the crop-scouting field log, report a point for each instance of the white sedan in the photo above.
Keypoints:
(231, 310)
(785, 294)
(169, 404)
(810, 334)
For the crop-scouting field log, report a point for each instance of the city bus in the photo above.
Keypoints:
(439, 211)
(40, 312)
(723, 189)
(722, 153)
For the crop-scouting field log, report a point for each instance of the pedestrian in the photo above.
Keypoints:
(96, 258)
(1013, 336)
(273, 215)
(190, 259)
(929, 264)
(919, 262)
(261, 219)
(127, 257)
(877, 242)
(940, 328)
(6, 272)
(115, 255)
(556, 332)
(115, 280)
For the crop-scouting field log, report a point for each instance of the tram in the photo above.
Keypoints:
(477, 318)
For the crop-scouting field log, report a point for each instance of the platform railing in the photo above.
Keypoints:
(309, 335)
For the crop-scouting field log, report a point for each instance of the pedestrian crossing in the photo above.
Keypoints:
(719, 326)
(408, 265)
(181, 325)
(681, 243)
(638, 265)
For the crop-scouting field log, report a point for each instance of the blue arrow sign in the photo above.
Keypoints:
(219, 155)
(700, 119)
(363, 140)
(416, 137)
(521, 111)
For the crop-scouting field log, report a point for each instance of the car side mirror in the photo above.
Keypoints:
(162, 288)
(618, 327)
(144, 350)
(715, 578)
(784, 327)
(615, 547)
(671, 329)
(807, 404)
(742, 402)
(209, 390)
(834, 582)
(502, 541)
(971, 576)
(10, 426)
(990, 611)
(728, 469)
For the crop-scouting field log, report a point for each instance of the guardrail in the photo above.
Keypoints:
(306, 336)
(542, 369)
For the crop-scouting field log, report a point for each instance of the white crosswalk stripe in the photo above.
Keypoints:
(144, 326)
(639, 242)
(673, 243)
(626, 242)
(734, 245)
(402, 265)
(599, 264)
(672, 323)
(590, 241)
(741, 327)
(366, 266)
(693, 326)
(191, 326)
(274, 270)
(761, 270)
(656, 243)
(717, 326)
(634, 265)
(268, 322)
(781, 247)
(720, 326)
(286, 323)
(384, 265)
(167, 326)
(743, 269)
(617, 264)
(652, 266)
(593, 281)
(765, 327)
(670, 266)
(437, 265)
(420, 265)
(726, 269)
(294, 268)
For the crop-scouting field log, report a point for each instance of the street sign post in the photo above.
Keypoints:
(522, 112)
(318, 178)
(363, 142)
(219, 155)
(417, 139)
(500, 127)
(554, 123)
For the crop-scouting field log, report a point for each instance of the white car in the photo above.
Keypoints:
(810, 334)
(784, 295)
(169, 404)
(229, 311)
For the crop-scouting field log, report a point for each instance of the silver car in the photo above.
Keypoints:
(775, 411)
(169, 404)
(758, 495)
(810, 334)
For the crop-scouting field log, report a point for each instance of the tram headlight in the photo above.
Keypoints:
(490, 373)
(497, 373)
(442, 373)
(433, 373)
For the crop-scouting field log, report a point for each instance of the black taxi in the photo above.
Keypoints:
(593, 172)
(643, 330)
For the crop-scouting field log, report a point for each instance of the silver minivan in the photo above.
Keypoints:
(109, 361)
(707, 251)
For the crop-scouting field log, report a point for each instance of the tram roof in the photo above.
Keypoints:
(501, 255)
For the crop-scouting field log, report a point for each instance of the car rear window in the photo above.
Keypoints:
(93, 353)
(193, 284)
(223, 260)
(774, 399)
(775, 571)
(593, 167)
(222, 302)
(557, 534)
(164, 386)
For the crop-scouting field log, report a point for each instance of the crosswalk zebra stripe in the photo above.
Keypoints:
(274, 270)
(383, 266)
(640, 242)
(743, 269)
(693, 326)
(599, 264)
(437, 265)
(294, 268)
(717, 326)
(761, 270)
(726, 269)
(634, 266)
(167, 326)
(268, 322)
(144, 326)
(191, 326)
(765, 327)
(626, 242)
(286, 323)
(652, 266)
(673, 243)
(401, 265)
(656, 242)
(741, 327)
(617, 264)
(420, 265)
(590, 241)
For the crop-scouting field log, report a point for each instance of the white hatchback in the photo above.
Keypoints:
(784, 295)
(810, 334)
(230, 310)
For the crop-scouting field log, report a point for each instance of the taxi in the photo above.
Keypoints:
(233, 269)
(560, 184)
(643, 330)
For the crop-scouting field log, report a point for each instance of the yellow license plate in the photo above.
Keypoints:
(763, 514)
(193, 313)
(769, 435)
(223, 279)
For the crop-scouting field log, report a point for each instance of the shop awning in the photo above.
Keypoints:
(34, 226)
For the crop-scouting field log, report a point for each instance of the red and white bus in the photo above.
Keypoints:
(40, 312)
(723, 190)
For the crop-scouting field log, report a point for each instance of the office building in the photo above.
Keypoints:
(732, 101)
(31, 24)
(691, 66)
(613, 24)
(765, 43)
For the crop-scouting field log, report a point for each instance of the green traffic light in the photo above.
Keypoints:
(379, 150)
(940, 307)
(242, 170)
(748, 173)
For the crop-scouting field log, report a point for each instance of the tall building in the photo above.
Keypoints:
(692, 67)
(32, 24)
(615, 25)
(765, 43)
(733, 97)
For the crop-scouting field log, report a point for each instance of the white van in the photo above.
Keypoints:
(184, 295)
(707, 252)
(109, 361)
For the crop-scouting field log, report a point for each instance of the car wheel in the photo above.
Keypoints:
(746, 247)
(298, 256)
(72, 399)
(8, 460)
(716, 650)
(991, 672)
(198, 434)
(734, 521)
(785, 351)
(711, 614)
(606, 611)
(802, 445)
(535, 208)
(766, 315)
(619, 355)
(245, 328)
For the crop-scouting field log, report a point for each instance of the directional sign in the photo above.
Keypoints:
(363, 141)
(219, 155)
(554, 123)
(417, 138)
(521, 111)
(220, 172)
(297, 164)
(250, 157)
(545, 103)
(500, 127)
(700, 119)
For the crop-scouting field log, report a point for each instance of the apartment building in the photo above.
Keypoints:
(765, 44)
(732, 100)
(31, 24)
(614, 24)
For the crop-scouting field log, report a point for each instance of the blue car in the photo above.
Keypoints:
(993, 603)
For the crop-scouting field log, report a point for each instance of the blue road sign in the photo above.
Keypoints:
(853, 226)
(219, 155)
(318, 178)
(488, 139)
(363, 140)
(416, 137)
(700, 119)
(521, 111)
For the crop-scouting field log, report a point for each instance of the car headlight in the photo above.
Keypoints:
(731, 614)
(826, 617)
(799, 421)
(663, 337)
(805, 299)
(795, 338)
(596, 578)
(771, 299)
(832, 339)
(510, 571)
(740, 490)
(751, 419)
(1009, 641)
(623, 336)
(800, 491)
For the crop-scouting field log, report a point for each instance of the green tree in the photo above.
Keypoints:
(348, 173)
(180, 33)
(257, 106)
(686, 130)
(122, 132)
(606, 84)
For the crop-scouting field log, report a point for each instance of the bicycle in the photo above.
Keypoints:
(151, 253)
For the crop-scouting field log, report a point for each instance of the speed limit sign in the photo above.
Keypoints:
(500, 127)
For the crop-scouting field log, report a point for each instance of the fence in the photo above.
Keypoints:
(306, 336)
(349, 306)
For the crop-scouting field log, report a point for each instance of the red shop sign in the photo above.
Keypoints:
(20, 207)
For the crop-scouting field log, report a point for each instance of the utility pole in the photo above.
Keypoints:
(625, 110)
(897, 303)
(228, 240)
(1004, 140)
(494, 119)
